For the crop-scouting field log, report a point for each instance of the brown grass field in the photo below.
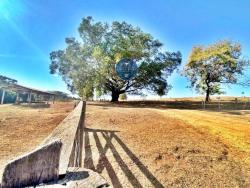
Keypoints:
(155, 144)
(173, 143)
(23, 128)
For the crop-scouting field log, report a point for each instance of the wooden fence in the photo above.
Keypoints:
(59, 151)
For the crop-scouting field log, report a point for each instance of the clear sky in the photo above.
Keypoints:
(31, 29)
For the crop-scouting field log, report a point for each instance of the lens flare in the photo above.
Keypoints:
(11, 8)
(11, 12)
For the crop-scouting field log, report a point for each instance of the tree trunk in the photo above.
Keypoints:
(115, 96)
(207, 95)
(208, 87)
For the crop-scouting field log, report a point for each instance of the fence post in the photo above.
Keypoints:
(236, 102)
(219, 104)
(203, 104)
(247, 103)
(40, 165)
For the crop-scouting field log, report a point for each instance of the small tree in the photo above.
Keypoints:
(123, 97)
(209, 67)
(89, 65)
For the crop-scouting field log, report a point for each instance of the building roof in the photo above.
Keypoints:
(23, 89)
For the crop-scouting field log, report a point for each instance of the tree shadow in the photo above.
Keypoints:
(226, 107)
(104, 162)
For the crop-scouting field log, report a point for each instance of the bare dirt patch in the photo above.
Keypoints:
(149, 147)
(23, 128)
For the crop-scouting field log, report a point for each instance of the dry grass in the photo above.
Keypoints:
(145, 144)
(230, 126)
(23, 128)
(155, 146)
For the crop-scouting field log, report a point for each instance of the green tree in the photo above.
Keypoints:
(123, 97)
(209, 67)
(89, 65)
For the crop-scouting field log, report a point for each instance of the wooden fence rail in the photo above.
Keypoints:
(40, 165)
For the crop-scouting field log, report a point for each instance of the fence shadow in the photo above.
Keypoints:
(104, 162)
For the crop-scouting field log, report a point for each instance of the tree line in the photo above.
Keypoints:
(88, 65)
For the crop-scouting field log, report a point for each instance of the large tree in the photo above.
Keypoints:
(209, 67)
(88, 65)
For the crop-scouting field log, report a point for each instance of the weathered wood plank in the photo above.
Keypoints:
(70, 132)
(41, 165)
(46, 163)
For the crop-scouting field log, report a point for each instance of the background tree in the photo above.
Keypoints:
(209, 67)
(123, 97)
(89, 65)
(61, 95)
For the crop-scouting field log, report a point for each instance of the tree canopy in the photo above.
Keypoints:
(209, 67)
(89, 65)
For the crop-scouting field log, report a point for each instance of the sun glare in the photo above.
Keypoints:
(10, 8)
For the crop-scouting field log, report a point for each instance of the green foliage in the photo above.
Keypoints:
(61, 95)
(123, 97)
(209, 67)
(89, 65)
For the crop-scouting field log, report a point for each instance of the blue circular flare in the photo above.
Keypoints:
(126, 69)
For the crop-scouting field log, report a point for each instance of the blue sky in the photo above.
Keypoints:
(31, 29)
